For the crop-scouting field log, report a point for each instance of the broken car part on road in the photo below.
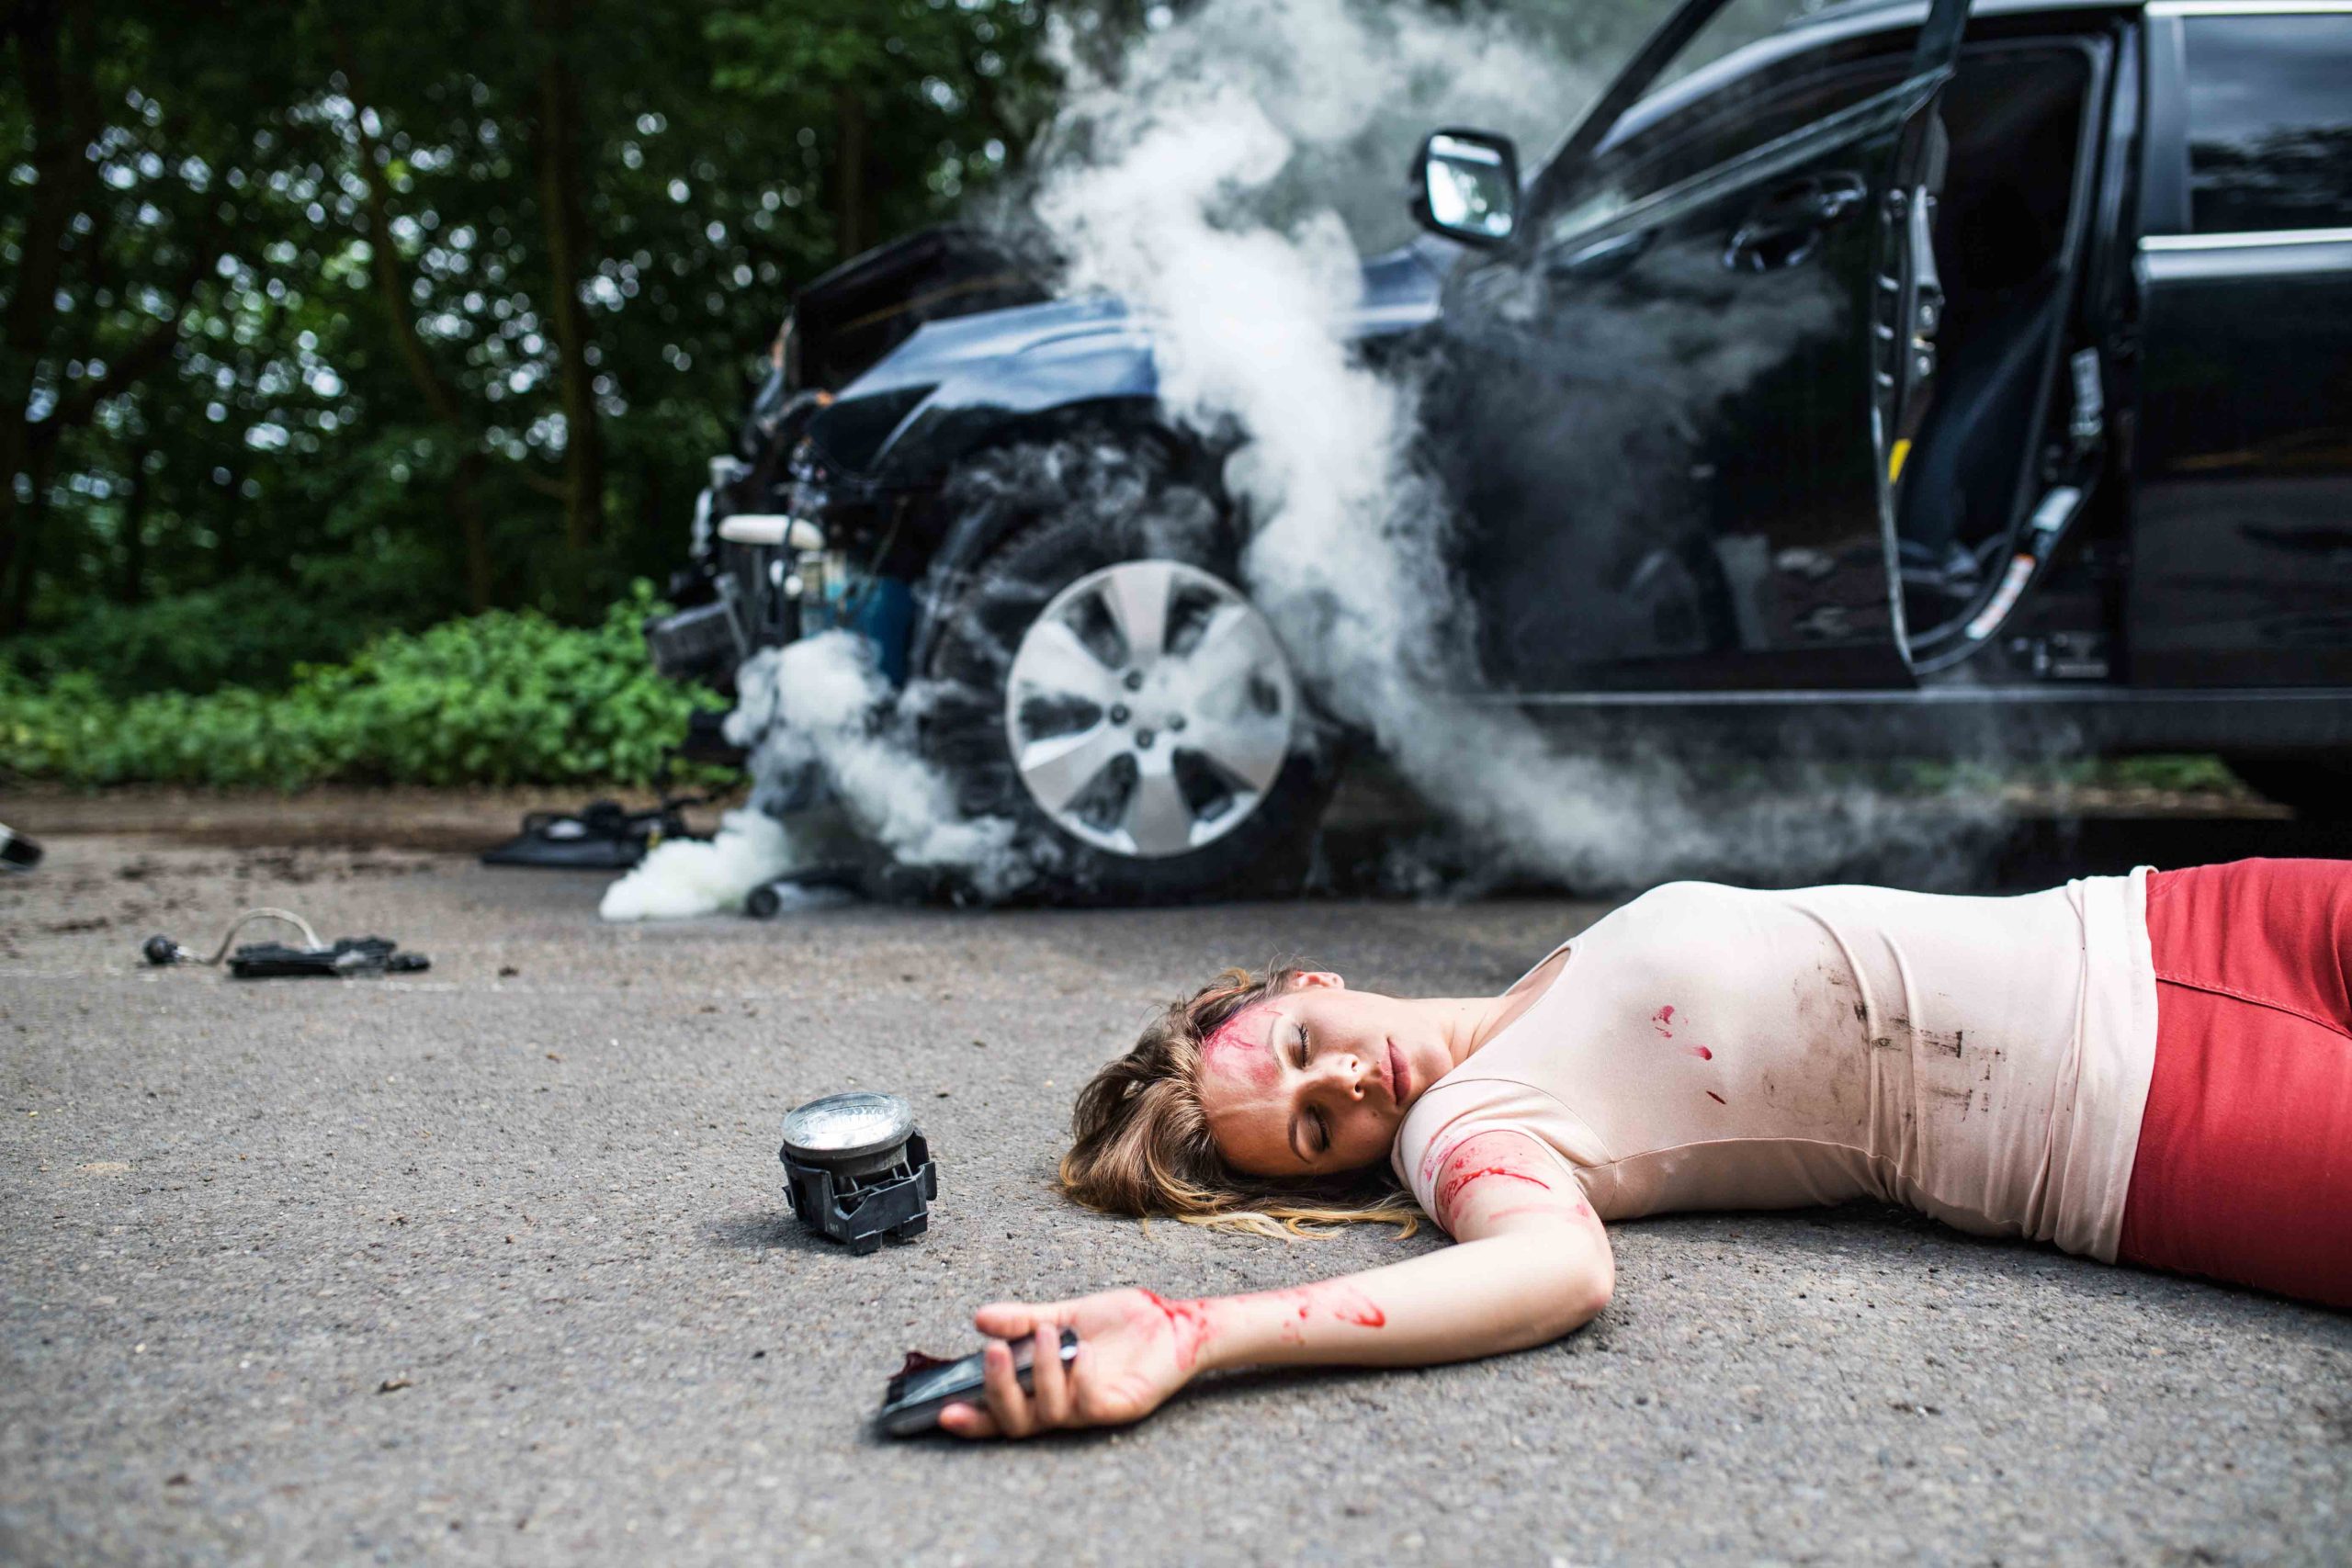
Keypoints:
(856, 1170)
(601, 836)
(346, 958)
(18, 852)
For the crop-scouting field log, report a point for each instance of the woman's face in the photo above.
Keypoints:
(1317, 1081)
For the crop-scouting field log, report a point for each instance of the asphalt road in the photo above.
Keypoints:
(491, 1264)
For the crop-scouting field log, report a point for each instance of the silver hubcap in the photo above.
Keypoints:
(1150, 709)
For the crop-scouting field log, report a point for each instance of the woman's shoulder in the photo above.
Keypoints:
(1466, 1103)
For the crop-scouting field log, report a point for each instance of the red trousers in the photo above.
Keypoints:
(2244, 1165)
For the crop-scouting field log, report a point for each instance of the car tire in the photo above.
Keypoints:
(2318, 788)
(1038, 611)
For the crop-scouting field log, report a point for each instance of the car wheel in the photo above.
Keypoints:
(2319, 788)
(1103, 683)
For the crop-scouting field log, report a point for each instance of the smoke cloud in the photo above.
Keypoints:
(819, 708)
(1179, 188)
(1225, 177)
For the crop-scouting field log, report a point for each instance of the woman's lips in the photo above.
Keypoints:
(1399, 1077)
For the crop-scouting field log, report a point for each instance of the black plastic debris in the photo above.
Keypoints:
(18, 852)
(819, 887)
(351, 957)
(346, 958)
(603, 835)
(856, 1170)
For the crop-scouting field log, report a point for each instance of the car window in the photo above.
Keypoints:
(2269, 122)
(1740, 83)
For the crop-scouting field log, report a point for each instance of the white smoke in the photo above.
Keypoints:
(682, 877)
(822, 707)
(1223, 177)
(1176, 188)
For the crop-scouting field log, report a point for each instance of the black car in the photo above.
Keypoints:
(1900, 370)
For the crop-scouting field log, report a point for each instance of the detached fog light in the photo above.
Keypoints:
(856, 1170)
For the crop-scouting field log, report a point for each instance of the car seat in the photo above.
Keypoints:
(1961, 483)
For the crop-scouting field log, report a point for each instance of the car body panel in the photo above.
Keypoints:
(2201, 601)
(957, 377)
(1668, 435)
(2242, 534)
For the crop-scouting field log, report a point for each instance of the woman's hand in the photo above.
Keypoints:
(1130, 1358)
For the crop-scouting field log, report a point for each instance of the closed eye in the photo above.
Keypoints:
(1313, 1128)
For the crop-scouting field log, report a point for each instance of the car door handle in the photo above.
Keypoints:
(1782, 228)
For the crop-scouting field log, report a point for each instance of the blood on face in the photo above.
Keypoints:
(1235, 1049)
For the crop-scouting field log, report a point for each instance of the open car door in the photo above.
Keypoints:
(1686, 389)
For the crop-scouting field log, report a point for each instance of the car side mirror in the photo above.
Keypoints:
(1465, 185)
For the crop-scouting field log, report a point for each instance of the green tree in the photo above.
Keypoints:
(318, 321)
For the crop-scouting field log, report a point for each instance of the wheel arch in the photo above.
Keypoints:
(968, 534)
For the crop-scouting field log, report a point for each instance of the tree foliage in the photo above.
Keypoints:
(382, 314)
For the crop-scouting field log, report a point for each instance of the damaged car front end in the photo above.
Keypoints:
(977, 478)
(783, 536)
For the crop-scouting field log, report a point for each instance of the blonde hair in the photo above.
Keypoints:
(1141, 1142)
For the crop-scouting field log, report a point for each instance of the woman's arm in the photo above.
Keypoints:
(1532, 1264)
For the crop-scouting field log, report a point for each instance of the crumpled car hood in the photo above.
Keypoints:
(954, 374)
(1400, 292)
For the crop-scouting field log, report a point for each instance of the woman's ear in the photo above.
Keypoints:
(1322, 979)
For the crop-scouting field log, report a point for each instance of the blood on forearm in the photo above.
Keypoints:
(1201, 1327)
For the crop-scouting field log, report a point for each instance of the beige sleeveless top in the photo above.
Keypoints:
(1984, 1060)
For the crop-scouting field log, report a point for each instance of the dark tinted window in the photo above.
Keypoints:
(2269, 122)
(1721, 125)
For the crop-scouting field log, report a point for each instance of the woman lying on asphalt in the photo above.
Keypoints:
(2154, 1069)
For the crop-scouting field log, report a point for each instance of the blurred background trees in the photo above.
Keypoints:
(319, 321)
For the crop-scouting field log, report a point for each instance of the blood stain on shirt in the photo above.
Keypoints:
(1702, 1053)
(1718, 1098)
(1434, 1161)
(1662, 1021)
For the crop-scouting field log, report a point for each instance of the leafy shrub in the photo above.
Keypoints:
(499, 699)
(249, 631)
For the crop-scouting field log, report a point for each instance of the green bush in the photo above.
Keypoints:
(503, 698)
(249, 631)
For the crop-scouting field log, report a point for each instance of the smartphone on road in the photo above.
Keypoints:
(926, 1385)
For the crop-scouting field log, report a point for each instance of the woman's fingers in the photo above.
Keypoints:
(1015, 1320)
(1048, 1383)
(1006, 1402)
(968, 1421)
